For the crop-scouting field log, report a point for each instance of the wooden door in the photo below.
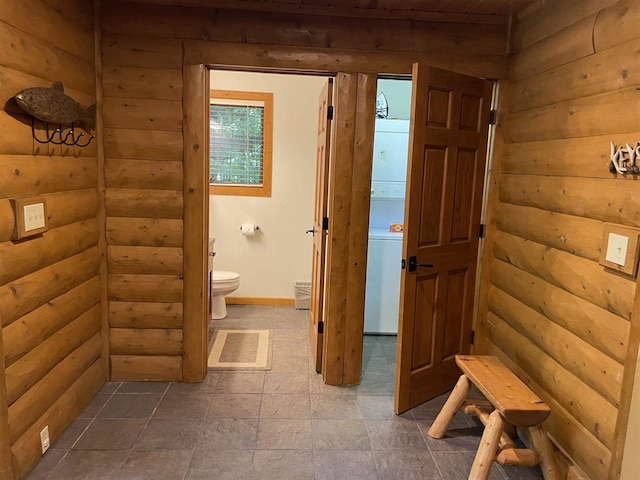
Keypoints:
(445, 177)
(316, 323)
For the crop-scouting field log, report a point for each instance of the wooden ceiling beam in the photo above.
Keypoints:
(349, 12)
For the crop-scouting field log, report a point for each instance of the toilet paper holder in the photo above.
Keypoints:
(257, 227)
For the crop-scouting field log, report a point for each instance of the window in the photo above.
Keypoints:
(240, 133)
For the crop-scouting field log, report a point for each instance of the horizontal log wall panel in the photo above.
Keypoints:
(63, 208)
(35, 327)
(145, 260)
(143, 83)
(603, 330)
(143, 114)
(143, 174)
(589, 408)
(32, 405)
(578, 235)
(22, 258)
(540, 24)
(152, 368)
(145, 288)
(149, 232)
(81, 13)
(617, 24)
(563, 47)
(21, 296)
(27, 450)
(141, 52)
(147, 341)
(617, 200)
(343, 60)
(145, 315)
(44, 22)
(595, 369)
(29, 369)
(591, 75)
(583, 117)
(562, 427)
(574, 157)
(143, 144)
(581, 277)
(120, 202)
(29, 175)
(53, 64)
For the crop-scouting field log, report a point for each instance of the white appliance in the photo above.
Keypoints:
(390, 149)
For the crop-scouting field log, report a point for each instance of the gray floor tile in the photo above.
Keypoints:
(406, 466)
(380, 407)
(318, 387)
(155, 465)
(111, 434)
(457, 465)
(282, 464)
(285, 406)
(228, 434)
(336, 407)
(71, 434)
(220, 465)
(290, 322)
(110, 387)
(95, 405)
(185, 406)
(47, 464)
(395, 435)
(291, 349)
(203, 388)
(286, 383)
(143, 387)
(234, 405)
(290, 335)
(169, 434)
(130, 405)
(289, 365)
(342, 465)
(284, 434)
(377, 384)
(465, 439)
(340, 435)
(235, 311)
(259, 311)
(91, 464)
(240, 382)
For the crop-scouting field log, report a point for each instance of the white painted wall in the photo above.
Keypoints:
(280, 253)
(398, 93)
(631, 459)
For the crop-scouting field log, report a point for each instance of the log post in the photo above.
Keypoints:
(488, 447)
(544, 450)
(451, 406)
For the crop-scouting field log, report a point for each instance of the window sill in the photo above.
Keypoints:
(240, 190)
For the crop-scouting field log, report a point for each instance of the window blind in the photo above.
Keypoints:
(236, 144)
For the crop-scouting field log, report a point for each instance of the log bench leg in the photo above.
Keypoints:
(544, 450)
(488, 448)
(450, 408)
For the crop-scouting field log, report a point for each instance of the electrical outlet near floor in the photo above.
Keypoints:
(45, 441)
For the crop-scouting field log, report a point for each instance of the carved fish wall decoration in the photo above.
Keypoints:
(53, 106)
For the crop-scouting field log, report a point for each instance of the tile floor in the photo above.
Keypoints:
(283, 424)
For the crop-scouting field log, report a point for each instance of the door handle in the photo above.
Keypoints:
(312, 231)
(413, 264)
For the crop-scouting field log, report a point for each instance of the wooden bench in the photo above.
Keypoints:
(509, 403)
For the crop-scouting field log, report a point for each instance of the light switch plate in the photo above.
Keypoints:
(30, 215)
(45, 441)
(617, 249)
(620, 248)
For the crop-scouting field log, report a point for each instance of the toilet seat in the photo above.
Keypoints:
(222, 276)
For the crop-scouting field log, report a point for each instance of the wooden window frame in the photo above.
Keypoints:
(263, 190)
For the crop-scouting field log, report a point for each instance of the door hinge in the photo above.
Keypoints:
(325, 224)
(404, 264)
(330, 112)
(482, 231)
(492, 117)
(472, 337)
(321, 326)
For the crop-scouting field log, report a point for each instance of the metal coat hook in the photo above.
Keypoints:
(56, 137)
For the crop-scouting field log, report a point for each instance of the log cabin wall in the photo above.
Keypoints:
(555, 316)
(142, 48)
(51, 361)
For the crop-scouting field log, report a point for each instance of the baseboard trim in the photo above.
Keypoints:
(288, 302)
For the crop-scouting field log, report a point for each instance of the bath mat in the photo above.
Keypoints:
(241, 350)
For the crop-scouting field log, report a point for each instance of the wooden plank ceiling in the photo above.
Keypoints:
(472, 11)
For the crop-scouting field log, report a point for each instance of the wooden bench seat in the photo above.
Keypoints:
(509, 403)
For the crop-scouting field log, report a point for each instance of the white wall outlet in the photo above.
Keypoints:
(617, 249)
(33, 216)
(45, 441)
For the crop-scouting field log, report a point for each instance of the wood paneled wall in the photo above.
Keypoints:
(50, 288)
(555, 316)
(142, 51)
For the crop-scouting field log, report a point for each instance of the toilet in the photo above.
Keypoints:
(222, 283)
